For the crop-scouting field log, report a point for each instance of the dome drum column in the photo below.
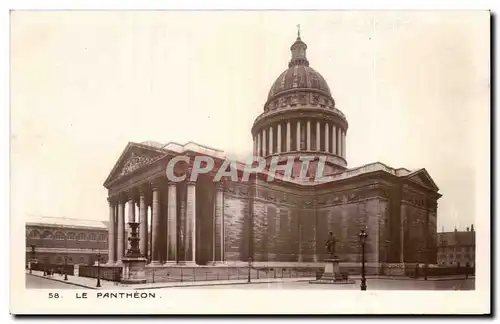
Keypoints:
(278, 131)
(318, 136)
(327, 138)
(334, 139)
(308, 135)
(339, 141)
(288, 137)
(297, 138)
(271, 140)
(264, 138)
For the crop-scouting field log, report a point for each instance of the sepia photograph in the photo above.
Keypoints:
(237, 162)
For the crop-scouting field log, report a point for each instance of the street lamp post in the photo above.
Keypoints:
(66, 257)
(249, 268)
(65, 267)
(425, 266)
(98, 269)
(32, 256)
(362, 238)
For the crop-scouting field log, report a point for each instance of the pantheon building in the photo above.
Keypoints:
(282, 221)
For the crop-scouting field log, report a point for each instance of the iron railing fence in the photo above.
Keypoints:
(186, 274)
(421, 271)
(105, 273)
(54, 268)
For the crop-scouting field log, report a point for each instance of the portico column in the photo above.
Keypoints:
(254, 145)
(121, 229)
(264, 139)
(190, 244)
(318, 136)
(327, 137)
(111, 233)
(271, 148)
(258, 145)
(218, 244)
(278, 139)
(143, 231)
(298, 135)
(172, 223)
(334, 140)
(288, 137)
(155, 228)
(308, 135)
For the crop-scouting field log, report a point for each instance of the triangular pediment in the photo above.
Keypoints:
(134, 157)
(423, 178)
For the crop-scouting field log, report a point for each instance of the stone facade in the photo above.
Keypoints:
(285, 220)
(457, 248)
(56, 238)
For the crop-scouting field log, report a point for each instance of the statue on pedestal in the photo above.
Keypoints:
(332, 273)
(330, 245)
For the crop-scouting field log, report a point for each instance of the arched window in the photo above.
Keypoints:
(102, 238)
(81, 237)
(59, 236)
(47, 235)
(82, 260)
(70, 260)
(92, 237)
(34, 234)
(71, 235)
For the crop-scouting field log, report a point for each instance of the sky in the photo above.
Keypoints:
(414, 87)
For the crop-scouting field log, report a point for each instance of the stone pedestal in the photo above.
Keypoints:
(133, 270)
(332, 274)
(133, 262)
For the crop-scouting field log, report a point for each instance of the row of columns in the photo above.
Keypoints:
(265, 145)
(118, 229)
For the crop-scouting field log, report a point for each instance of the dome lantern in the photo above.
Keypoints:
(298, 52)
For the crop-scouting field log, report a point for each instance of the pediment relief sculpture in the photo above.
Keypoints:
(134, 162)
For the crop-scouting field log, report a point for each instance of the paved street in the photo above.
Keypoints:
(33, 282)
(372, 284)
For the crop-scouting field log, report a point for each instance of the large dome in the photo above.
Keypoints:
(300, 117)
(299, 77)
